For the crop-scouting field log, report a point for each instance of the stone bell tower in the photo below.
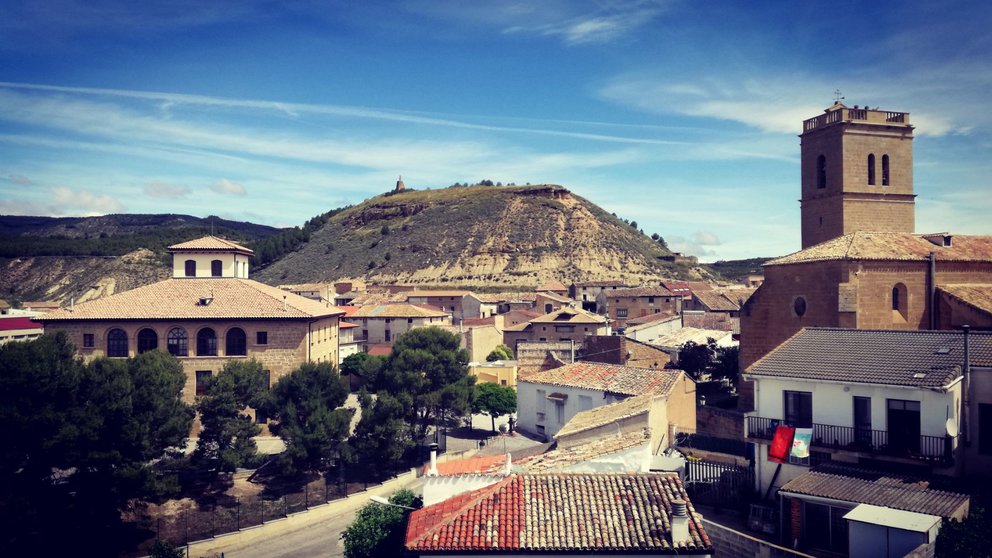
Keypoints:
(857, 173)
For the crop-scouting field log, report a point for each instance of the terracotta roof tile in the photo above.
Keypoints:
(400, 310)
(892, 246)
(209, 243)
(552, 286)
(607, 414)
(476, 464)
(507, 297)
(715, 301)
(610, 378)
(180, 299)
(639, 292)
(928, 359)
(558, 512)
(444, 293)
(560, 459)
(882, 491)
(686, 334)
(569, 315)
(978, 296)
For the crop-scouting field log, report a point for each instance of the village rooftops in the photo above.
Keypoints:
(978, 296)
(610, 378)
(611, 283)
(640, 292)
(924, 359)
(562, 459)
(569, 315)
(507, 297)
(400, 310)
(551, 286)
(716, 301)
(559, 513)
(607, 414)
(894, 246)
(431, 294)
(218, 298)
(210, 244)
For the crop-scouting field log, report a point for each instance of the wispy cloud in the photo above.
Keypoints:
(225, 186)
(159, 189)
(67, 201)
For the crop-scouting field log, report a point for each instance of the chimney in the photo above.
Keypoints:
(509, 464)
(284, 308)
(432, 471)
(680, 523)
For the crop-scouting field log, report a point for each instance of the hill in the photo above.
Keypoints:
(484, 236)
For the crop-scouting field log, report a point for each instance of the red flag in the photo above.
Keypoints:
(781, 445)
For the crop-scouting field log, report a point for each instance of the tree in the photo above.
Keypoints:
(725, 362)
(226, 441)
(79, 438)
(306, 403)
(382, 439)
(971, 537)
(501, 352)
(494, 400)
(427, 372)
(379, 529)
(694, 359)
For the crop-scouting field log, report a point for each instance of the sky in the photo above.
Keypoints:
(683, 116)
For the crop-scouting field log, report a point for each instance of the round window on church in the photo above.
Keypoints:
(799, 306)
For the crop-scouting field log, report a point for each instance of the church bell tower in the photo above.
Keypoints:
(857, 173)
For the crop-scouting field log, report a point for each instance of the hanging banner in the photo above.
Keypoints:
(781, 444)
(801, 442)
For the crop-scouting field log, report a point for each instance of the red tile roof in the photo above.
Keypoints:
(469, 465)
(380, 349)
(867, 245)
(210, 244)
(558, 512)
(610, 378)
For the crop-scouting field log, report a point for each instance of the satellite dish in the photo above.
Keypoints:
(952, 426)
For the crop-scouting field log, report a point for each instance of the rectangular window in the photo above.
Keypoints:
(798, 408)
(650, 300)
(560, 412)
(202, 381)
(621, 312)
(88, 341)
(365, 334)
(262, 338)
(565, 329)
(541, 400)
(389, 335)
(409, 320)
(389, 320)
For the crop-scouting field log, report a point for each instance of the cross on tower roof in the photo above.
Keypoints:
(837, 96)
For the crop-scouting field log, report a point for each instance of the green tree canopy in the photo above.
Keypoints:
(226, 440)
(80, 438)
(307, 405)
(501, 352)
(494, 400)
(378, 529)
(382, 439)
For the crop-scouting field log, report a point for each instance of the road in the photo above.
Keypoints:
(322, 539)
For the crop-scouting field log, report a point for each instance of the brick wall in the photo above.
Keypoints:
(720, 423)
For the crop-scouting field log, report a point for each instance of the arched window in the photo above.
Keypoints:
(821, 171)
(885, 170)
(178, 342)
(147, 340)
(216, 268)
(190, 268)
(117, 343)
(871, 169)
(895, 298)
(206, 342)
(900, 303)
(237, 342)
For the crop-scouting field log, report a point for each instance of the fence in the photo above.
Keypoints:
(687, 440)
(719, 484)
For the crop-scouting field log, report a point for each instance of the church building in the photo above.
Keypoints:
(862, 264)
(206, 315)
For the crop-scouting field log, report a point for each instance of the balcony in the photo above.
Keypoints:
(864, 115)
(931, 449)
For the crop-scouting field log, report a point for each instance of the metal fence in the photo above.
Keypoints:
(688, 440)
(719, 484)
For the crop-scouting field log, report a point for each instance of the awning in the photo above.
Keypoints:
(557, 397)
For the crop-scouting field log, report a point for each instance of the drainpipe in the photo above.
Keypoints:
(932, 290)
(966, 388)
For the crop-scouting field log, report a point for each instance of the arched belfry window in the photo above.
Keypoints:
(216, 268)
(885, 170)
(821, 171)
(871, 169)
(117, 343)
(237, 342)
(190, 268)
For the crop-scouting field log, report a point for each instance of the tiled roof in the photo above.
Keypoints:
(377, 296)
(447, 293)
(180, 299)
(607, 414)
(507, 297)
(555, 297)
(552, 286)
(681, 288)
(686, 334)
(477, 464)
(380, 349)
(600, 284)
(346, 325)
(40, 305)
(642, 355)
(884, 491)
(18, 322)
(611, 378)
(892, 246)
(711, 320)
(400, 310)
(641, 292)
(641, 322)
(558, 513)
(715, 301)
(209, 243)
(929, 359)
(978, 296)
(318, 287)
(560, 460)
(569, 315)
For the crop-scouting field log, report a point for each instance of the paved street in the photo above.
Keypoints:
(321, 540)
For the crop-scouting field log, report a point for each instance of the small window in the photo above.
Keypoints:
(650, 300)
(821, 171)
(177, 342)
(900, 306)
(389, 335)
(389, 320)
(885, 170)
(621, 312)
(206, 342)
(216, 268)
(895, 298)
(409, 320)
(190, 268)
(365, 334)
(117, 343)
(871, 169)
(549, 308)
(236, 342)
(147, 340)
(798, 408)
(799, 306)
(202, 381)
(88, 341)
(261, 338)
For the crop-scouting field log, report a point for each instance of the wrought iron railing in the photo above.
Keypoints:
(867, 440)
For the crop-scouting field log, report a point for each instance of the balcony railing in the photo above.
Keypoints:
(927, 448)
(860, 114)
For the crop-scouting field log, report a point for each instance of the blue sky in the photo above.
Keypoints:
(680, 115)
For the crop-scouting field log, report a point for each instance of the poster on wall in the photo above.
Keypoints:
(781, 445)
(801, 442)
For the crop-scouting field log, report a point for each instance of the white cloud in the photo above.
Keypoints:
(159, 189)
(225, 186)
(66, 201)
